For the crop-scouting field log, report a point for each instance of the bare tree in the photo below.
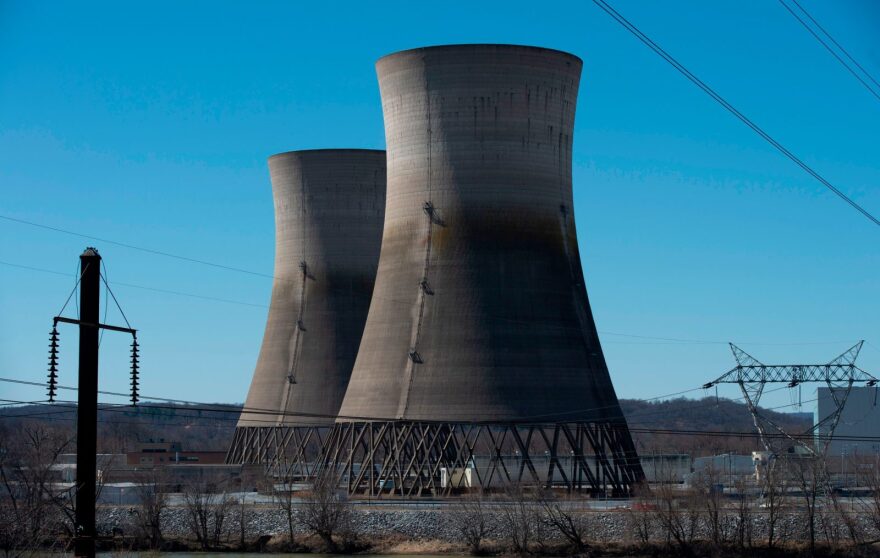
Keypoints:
(219, 513)
(471, 517)
(773, 487)
(243, 517)
(249, 479)
(641, 515)
(325, 512)
(744, 520)
(282, 495)
(869, 477)
(678, 514)
(709, 496)
(810, 474)
(206, 508)
(152, 505)
(65, 500)
(842, 517)
(569, 523)
(519, 519)
(28, 489)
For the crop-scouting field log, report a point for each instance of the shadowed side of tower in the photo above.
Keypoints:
(329, 210)
(480, 313)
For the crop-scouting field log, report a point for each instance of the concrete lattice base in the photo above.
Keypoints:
(409, 458)
(289, 452)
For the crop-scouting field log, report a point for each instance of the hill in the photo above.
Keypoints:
(210, 427)
(709, 415)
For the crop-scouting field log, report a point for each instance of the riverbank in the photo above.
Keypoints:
(617, 533)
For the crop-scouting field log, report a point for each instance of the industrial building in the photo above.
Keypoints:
(480, 351)
(858, 429)
(329, 211)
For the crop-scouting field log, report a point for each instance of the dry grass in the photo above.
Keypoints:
(398, 544)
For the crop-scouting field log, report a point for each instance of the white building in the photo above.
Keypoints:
(860, 419)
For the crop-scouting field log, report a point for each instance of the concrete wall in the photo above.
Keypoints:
(860, 418)
(329, 210)
(480, 310)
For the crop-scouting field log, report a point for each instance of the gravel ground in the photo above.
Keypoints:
(440, 524)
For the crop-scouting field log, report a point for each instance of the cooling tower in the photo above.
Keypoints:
(329, 209)
(479, 312)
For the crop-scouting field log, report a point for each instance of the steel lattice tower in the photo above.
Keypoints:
(752, 376)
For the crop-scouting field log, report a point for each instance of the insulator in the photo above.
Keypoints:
(52, 387)
(134, 372)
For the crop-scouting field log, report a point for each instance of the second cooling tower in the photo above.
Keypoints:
(329, 210)
(480, 312)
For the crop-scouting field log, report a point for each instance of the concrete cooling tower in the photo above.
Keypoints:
(480, 340)
(329, 210)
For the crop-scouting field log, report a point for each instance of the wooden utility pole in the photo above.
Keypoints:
(87, 403)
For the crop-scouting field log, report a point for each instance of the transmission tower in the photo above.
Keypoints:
(752, 376)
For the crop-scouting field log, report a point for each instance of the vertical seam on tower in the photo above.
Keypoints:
(297, 334)
(414, 357)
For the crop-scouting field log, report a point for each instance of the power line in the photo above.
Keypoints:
(178, 411)
(143, 287)
(667, 340)
(681, 340)
(730, 108)
(255, 410)
(828, 47)
(669, 431)
(133, 247)
(192, 406)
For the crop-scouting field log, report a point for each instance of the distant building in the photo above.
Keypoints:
(159, 453)
(726, 468)
(666, 468)
(860, 419)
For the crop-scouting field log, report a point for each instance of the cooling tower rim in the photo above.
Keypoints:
(296, 152)
(506, 46)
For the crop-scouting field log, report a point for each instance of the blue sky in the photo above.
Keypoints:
(150, 124)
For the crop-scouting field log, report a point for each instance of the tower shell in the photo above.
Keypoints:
(479, 311)
(329, 210)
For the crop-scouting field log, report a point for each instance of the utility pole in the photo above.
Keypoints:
(89, 283)
(87, 403)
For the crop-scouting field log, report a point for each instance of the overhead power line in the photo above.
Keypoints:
(226, 408)
(253, 412)
(645, 430)
(663, 340)
(831, 50)
(143, 287)
(733, 110)
(138, 248)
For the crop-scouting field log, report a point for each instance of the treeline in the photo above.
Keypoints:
(210, 428)
(648, 419)
(120, 429)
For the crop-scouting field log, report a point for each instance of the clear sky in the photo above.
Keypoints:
(150, 124)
